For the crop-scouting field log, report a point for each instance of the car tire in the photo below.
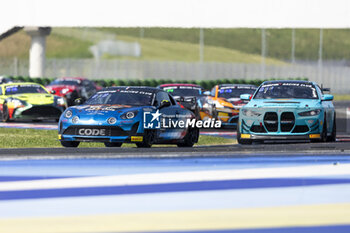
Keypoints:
(70, 143)
(324, 131)
(190, 139)
(113, 144)
(149, 138)
(333, 136)
(243, 141)
(5, 113)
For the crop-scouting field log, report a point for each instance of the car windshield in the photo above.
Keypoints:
(122, 97)
(70, 82)
(25, 88)
(183, 90)
(286, 91)
(235, 92)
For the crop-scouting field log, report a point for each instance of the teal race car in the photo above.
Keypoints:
(287, 110)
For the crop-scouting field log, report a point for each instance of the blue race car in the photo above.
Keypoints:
(116, 115)
(287, 110)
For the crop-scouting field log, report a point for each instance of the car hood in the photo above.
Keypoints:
(232, 100)
(283, 103)
(103, 109)
(35, 98)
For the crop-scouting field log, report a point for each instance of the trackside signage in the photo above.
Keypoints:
(156, 120)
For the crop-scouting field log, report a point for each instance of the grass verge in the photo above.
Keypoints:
(28, 138)
(341, 97)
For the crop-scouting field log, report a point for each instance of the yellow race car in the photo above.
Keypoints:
(29, 101)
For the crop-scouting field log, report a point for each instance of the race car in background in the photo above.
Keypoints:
(5, 79)
(232, 93)
(187, 95)
(29, 101)
(73, 88)
(118, 115)
(281, 110)
(224, 102)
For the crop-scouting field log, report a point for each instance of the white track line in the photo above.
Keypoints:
(176, 177)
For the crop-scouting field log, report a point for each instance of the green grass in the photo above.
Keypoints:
(29, 138)
(335, 41)
(57, 46)
(164, 49)
(222, 45)
(341, 97)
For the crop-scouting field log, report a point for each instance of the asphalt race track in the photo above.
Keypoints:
(274, 187)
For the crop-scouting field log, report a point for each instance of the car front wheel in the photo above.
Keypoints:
(243, 141)
(5, 114)
(149, 138)
(113, 144)
(190, 139)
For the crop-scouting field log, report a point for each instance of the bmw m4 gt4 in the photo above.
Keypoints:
(287, 110)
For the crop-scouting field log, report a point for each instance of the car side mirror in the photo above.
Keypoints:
(327, 97)
(245, 97)
(53, 92)
(164, 104)
(78, 101)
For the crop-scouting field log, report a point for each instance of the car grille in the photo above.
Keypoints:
(301, 129)
(287, 121)
(44, 111)
(258, 129)
(271, 121)
(109, 130)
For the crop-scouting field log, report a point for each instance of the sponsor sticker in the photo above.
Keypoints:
(92, 132)
(136, 138)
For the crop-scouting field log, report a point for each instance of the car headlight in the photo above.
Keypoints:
(310, 113)
(129, 115)
(250, 113)
(68, 114)
(61, 101)
(75, 120)
(111, 120)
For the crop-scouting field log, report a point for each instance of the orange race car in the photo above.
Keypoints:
(224, 102)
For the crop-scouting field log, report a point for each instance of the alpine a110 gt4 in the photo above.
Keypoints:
(116, 115)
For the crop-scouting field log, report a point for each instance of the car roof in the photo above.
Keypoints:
(20, 83)
(145, 88)
(179, 84)
(288, 81)
(77, 78)
(236, 85)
